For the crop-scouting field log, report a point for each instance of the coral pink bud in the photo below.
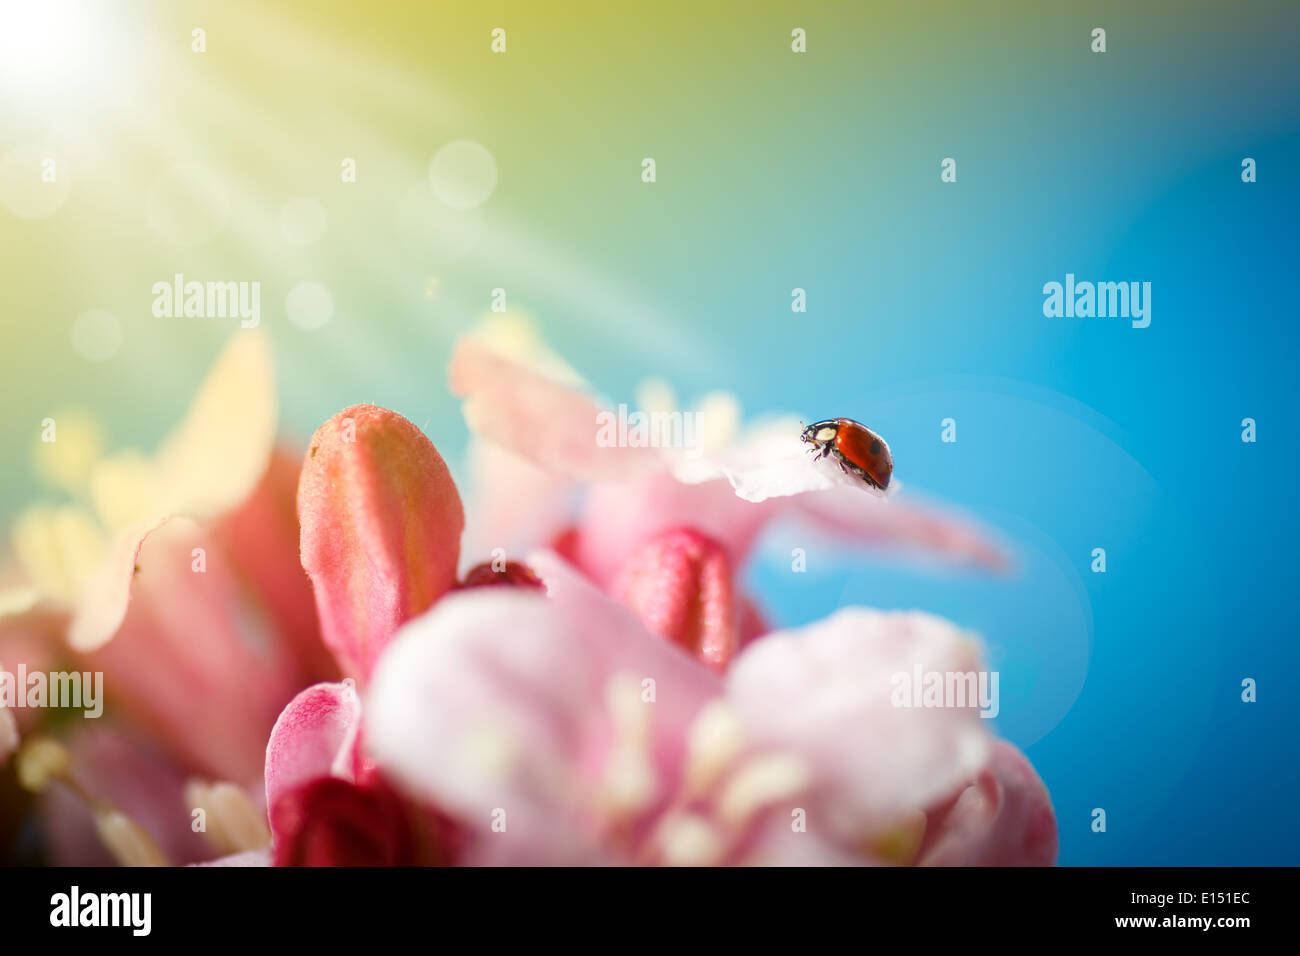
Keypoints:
(381, 526)
(680, 584)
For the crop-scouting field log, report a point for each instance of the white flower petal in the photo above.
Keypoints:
(770, 462)
(827, 693)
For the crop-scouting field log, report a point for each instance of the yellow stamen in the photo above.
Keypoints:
(714, 740)
(127, 840)
(40, 761)
(233, 822)
(899, 844)
(43, 760)
(629, 783)
(490, 750)
(688, 839)
(760, 782)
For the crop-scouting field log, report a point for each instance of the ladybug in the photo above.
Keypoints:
(857, 449)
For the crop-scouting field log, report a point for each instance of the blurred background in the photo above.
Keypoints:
(522, 171)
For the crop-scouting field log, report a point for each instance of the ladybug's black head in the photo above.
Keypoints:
(819, 433)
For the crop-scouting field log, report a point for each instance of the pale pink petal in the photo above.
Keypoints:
(778, 843)
(315, 736)
(537, 418)
(247, 858)
(189, 663)
(771, 462)
(921, 530)
(381, 526)
(514, 505)
(262, 537)
(826, 693)
(102, 606)
(680, 584)
(772, 466)
(635, 496)
(503, 699)
(1003, 818)
(620, 517)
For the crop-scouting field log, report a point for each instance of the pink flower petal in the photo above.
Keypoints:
(187, 658)
(102, 606)
(247, 858)
(315, 736)
(619, 518)
(261, 537)
(825, 692)
(777, 843)
(772, 465)
(901, 523)
(260, 540)
(514, 505)
(680, 586)
(381, 526)
(1003, 818)
(501, 699)
(771, 462)
(550, 424)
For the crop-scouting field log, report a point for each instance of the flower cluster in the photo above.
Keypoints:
(571, 673)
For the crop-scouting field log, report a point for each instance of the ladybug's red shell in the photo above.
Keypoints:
(858, 449)
(864, 448)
